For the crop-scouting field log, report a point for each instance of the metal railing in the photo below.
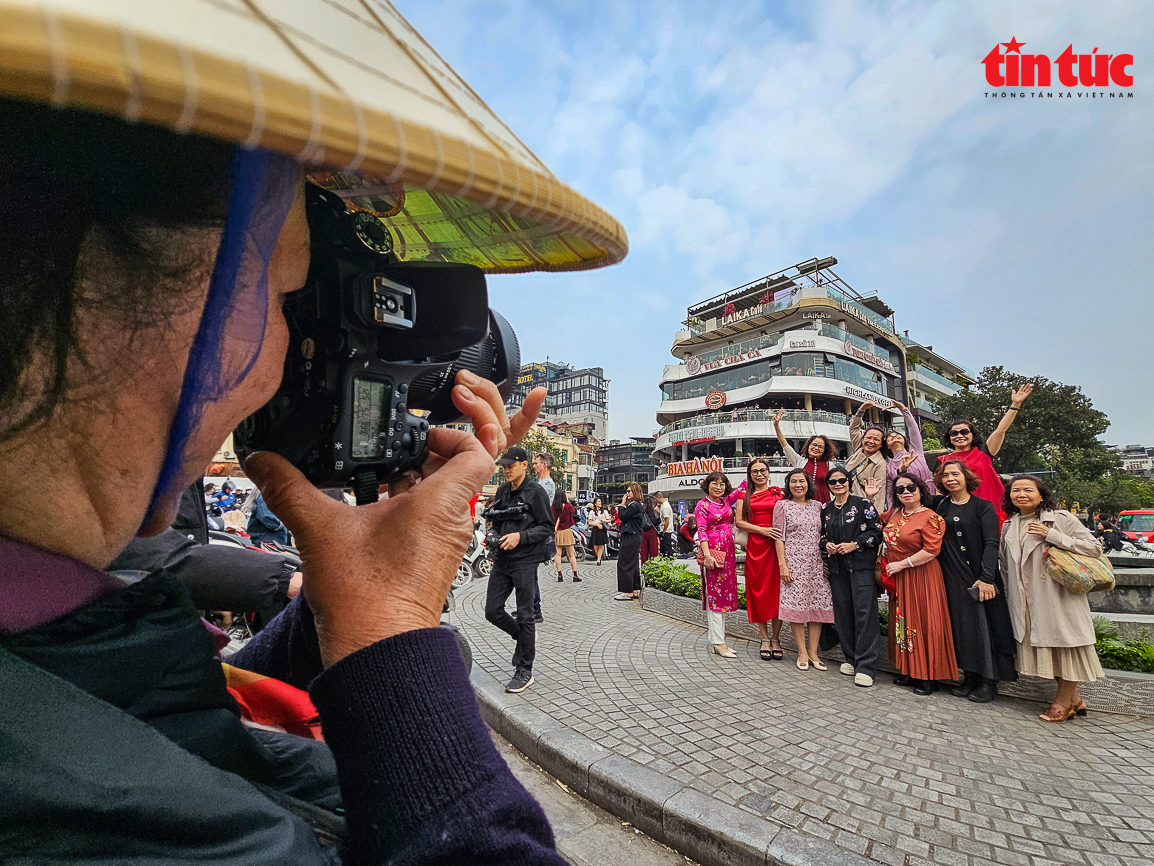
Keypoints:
(813, 415)
(949, 385)
(837, 333)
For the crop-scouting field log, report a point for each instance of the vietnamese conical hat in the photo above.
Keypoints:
(346, 86)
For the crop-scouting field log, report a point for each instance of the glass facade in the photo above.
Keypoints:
(819, 364)
(763, 341)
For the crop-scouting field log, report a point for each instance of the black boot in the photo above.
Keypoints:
(924, 687)
(985, 692)
(560, 579)
(903, 680)
(576, 579)
(966, 688)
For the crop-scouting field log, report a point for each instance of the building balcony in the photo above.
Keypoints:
(934, 381)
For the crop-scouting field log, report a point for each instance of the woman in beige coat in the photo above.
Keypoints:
(1052, 626)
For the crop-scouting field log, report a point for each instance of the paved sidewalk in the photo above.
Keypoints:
(877, 772)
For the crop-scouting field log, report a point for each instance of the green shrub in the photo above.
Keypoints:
(1104, 629)
(884, 619)
(671, 575)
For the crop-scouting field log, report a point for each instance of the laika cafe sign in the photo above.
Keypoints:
(1012, 68)
(701, 466)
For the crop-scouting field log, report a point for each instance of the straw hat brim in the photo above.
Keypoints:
(472, 192)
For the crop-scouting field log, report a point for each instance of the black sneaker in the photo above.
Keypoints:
(560, 579)
(522, 679)
(537, 617)
(576, 579)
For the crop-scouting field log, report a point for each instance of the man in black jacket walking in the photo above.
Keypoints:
(522, 517)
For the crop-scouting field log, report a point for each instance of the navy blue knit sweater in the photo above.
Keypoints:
(421, 779)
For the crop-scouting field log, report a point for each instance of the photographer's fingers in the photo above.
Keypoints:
(286, 491)
(523, 420)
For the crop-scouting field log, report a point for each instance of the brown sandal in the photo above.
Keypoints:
(1080, 708)
(1057, 713)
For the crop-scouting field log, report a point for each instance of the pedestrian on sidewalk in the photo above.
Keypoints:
(718, 560)
(630, 515)
(867, 460)
(543, 469)
(599, 521)
(665, 527)
(979, 615)
(806, 601)
(851, 534)
(1052, 625)
(921, 636)
(523, 521)
(650, 540)
(762, 577)
(564, 518)
(687, 536)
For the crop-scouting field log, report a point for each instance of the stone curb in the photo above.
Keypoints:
(705, 829)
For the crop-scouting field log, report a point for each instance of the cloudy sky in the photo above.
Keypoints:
(733, 139)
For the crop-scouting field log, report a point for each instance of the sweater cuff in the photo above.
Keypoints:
(403, 724)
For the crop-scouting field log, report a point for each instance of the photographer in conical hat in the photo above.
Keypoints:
(175, 176)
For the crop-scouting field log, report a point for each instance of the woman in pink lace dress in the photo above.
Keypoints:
(714, 516)
(805, 594)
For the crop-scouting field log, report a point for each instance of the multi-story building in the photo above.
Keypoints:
(929, 375)
(1136, 459)
(573, 448)
(621, 463)
(575, 396)
(800, 339)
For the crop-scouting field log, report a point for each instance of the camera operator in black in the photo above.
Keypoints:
(515, 563)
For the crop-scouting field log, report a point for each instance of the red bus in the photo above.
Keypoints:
(1138, 524)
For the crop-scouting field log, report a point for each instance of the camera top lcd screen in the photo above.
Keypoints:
(370, 398)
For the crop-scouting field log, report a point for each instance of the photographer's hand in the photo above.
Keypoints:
(377, 570)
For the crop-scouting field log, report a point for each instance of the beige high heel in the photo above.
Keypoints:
(728, 654)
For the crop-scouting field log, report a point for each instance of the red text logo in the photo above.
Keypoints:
(1015, 69)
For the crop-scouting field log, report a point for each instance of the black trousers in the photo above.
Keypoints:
(521, 578)
(666, 543)
(855, 613)
(629, 562)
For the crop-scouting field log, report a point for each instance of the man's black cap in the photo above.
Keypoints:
(512, 455)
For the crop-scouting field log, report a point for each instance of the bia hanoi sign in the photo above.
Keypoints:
(714, 400)
(694, 467)
(1012, 68)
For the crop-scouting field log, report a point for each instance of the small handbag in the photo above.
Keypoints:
(740, 537)
(1076, 571)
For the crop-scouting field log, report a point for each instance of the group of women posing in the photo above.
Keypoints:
(963, 568)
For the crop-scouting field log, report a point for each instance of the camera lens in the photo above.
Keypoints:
(496, 358)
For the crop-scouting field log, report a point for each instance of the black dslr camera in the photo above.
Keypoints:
(371, 340)
(493, 537)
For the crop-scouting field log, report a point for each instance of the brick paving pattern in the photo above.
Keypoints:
(880, 772)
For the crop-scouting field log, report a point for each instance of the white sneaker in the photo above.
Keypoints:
(847, 669)
(863, 680)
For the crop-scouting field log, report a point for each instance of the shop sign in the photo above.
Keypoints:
(863, 395)
(700, 466)
(692, 435)
(869, 357)
(715, 400)
(847, 307)
(694, 366)
(801, 344)
(765, 305)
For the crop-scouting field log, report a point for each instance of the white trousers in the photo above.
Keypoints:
(716, 626)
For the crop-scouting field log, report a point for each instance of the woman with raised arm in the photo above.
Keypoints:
(923, 641)
(906, 455)
(1052, 625)
(867, 460)
(806, 601)
(817, 454)
(968, 447)
(754, 514)
(714, 515)
(983, 636)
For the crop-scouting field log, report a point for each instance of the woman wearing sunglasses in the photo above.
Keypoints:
(921, 639)
(762, 579)
(851, 533)
(968, 447)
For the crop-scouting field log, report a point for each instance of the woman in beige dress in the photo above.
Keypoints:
(1052, 626)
